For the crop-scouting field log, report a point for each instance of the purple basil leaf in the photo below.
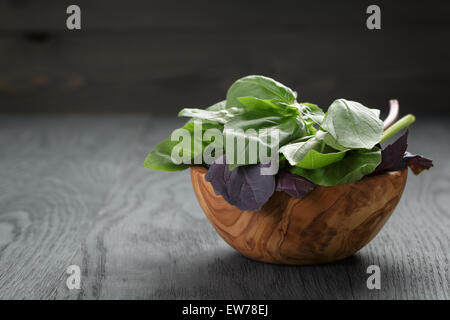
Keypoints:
(293, 184)
(392, 155)
(417, 163)
(244, 187)
(395, 157)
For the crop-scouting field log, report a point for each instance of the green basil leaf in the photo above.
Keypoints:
(272, 106)
(311, 154)
(353, 125)
(355, 165)
(295, 152)
(218, 106)
(220, 116)
(330, 140)
(377, 112)
(259, 87)
(161, 156)
(290, 127)
(311, 112)
(316, 159)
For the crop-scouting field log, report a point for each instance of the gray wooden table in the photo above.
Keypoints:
(73, 192)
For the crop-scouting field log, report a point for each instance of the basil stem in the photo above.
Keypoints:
(396, 127)
(393, 113)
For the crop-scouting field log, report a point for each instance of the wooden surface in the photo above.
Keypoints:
(330, 224)
(160, 56)
(73, 191)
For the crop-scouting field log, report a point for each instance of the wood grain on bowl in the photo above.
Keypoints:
(330, 224)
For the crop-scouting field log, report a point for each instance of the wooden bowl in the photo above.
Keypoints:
(330, 224)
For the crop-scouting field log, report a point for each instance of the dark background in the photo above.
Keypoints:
(160, 56)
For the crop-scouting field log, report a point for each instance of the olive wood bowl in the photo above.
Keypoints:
(329, 224)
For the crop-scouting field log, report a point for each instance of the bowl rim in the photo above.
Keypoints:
(365, 178)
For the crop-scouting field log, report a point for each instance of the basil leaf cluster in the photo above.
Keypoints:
(327, 148)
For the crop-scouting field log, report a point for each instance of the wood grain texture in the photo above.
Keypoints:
(330, 224)
(73, 191)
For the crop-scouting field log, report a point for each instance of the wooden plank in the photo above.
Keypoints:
(55, 175)
(130, 57)
(73, 191)
(115, 16)
(162, 72)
